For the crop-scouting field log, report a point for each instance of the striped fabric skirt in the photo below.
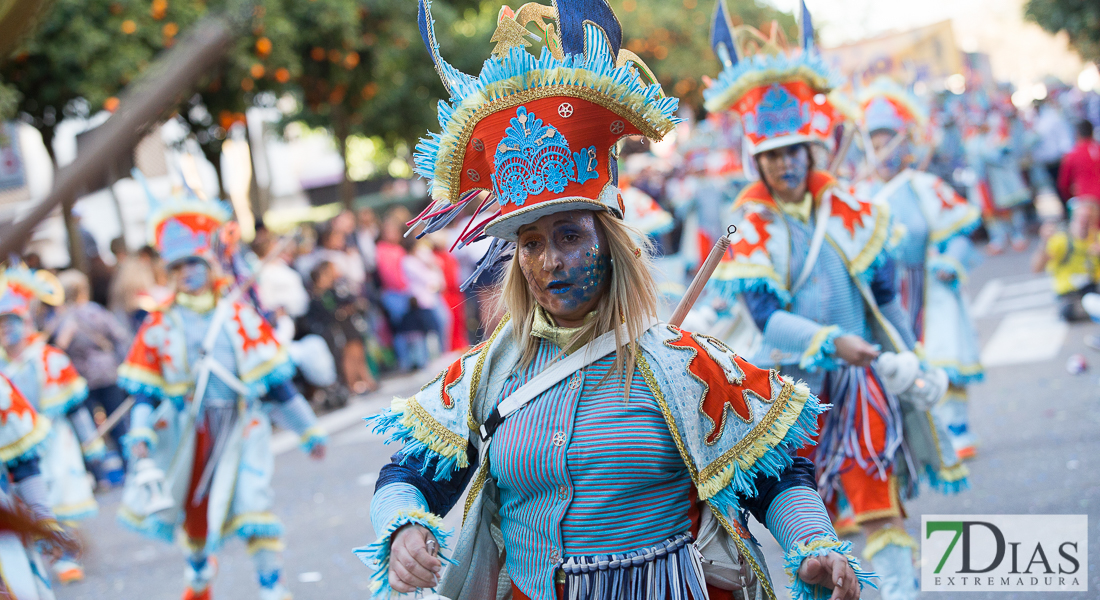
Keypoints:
(671, 570)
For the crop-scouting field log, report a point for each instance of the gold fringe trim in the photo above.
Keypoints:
(476, 487)
(815, 344)
(273, 544)
(806, 549)
(874, 245)
(730, 96)
(764, 437)
(24, 444)
(888, 535)
(972, 214)
(954, 473)
(475, 381)
(433, 434)
(533, 85)
(730, 270)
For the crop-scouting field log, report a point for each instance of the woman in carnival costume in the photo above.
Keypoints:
(998, 187)
(607, 441)
(47, 379)
(206, 372)
(809, 260)
(933, 252)
(25, 529)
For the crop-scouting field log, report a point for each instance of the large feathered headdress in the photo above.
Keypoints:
(534, 135)
(779, 92)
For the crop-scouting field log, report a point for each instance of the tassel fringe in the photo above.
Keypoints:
(422, 436)
(886, 536)
(770, 453)
(670, 570)
(377, 555)
(821, 547)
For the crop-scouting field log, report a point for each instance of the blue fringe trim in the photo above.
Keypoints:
(59, 411)
(78, 516)
(377, 555)
(869, 273)
(514, 67)
(960, 380)
(259, 530)
(133, 437)
(730, 288)
(947, 488)
(279, 374)
(150, 528)
(824, 358)
(821, 547)
(778, 63)
(390, 422)
(153, 392)
(774, 461)
(965, 230)
(34, 451)
(314, 440)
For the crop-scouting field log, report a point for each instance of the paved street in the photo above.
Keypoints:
(1039, 454)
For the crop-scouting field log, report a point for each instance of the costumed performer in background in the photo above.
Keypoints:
(206, 372)
(810, 262)
(641, 444)
(933, 252)
(27, 524)
(47, 379)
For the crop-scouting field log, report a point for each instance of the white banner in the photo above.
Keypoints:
(1004, 553)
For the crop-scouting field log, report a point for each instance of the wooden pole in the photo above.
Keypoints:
(702, 276)
(159, 90)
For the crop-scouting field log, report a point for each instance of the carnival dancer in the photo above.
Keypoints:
(933, 252)
(47, 379)
(206, 371)
(607, 441)
(27, 525)
(998, 186)
(809, 261)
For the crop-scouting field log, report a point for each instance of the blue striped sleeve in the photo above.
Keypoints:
(797, 515)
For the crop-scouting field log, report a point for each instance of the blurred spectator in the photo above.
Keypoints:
(1055, 139)
(136, 279)
(332, 247)
(999, 188)
(279, 287)
(32, 260)
(364, 237)
(334, 315)
(425, 284)
(96, 342)
(1071, 258)
(1079, 176)
(454, 300)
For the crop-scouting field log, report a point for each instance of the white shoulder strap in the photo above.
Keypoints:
(581, 358)
(824, 211)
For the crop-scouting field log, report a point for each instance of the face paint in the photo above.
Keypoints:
(194, 276)
(565, 260)
(12, 330)
(785, 169)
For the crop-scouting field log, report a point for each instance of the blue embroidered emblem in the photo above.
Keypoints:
(778, 113)
(178, 241)
(534, 157)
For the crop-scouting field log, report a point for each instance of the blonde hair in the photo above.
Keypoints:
(630, 301)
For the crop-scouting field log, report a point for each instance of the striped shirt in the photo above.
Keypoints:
(584, 471)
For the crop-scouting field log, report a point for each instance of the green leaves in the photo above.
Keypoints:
(1080, 19)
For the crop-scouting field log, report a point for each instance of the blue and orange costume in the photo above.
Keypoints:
(216, 453)
(584, 492)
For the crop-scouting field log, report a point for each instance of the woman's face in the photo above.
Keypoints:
(566, 262)
(786, 170)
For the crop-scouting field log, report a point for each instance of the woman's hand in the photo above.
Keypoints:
(414, 560)
(317, 452)
(855, 351)
(831, 571)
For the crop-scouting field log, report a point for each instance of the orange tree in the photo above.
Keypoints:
(365, 71)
